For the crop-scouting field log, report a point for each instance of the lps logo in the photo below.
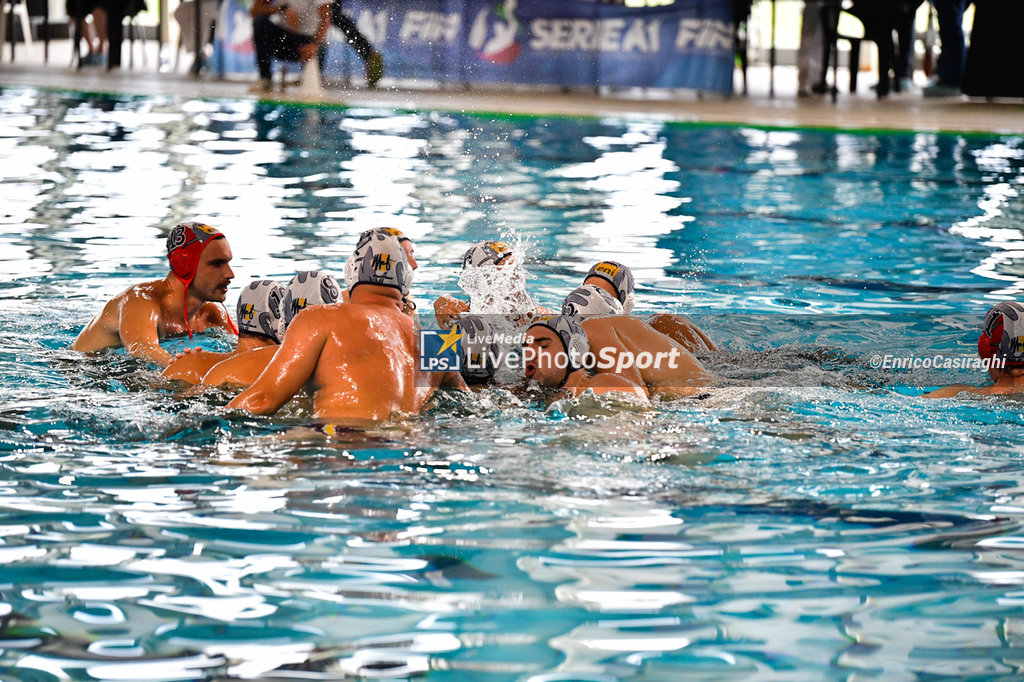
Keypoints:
(439, 351)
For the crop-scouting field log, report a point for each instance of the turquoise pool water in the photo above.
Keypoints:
(815, 519)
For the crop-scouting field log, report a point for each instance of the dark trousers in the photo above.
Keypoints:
(905, 40)
(345, 24)
(951, 35)
(273, 40)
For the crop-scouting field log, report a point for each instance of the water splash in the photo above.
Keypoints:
(499, 289)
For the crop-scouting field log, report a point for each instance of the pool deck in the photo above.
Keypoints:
(901, 111)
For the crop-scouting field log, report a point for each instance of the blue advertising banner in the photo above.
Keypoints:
(687, 44)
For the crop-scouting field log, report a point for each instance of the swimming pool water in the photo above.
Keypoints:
(814, 519)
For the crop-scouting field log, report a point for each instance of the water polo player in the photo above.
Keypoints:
(184, 302)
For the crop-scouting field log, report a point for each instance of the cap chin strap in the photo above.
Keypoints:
(184, 301)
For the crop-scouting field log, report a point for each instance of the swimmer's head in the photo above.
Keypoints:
(479, 349)
(590, 299)
(307, 289)
(546, 340)
(619, 277)
(259, 309)
(185, 245)
(487, 253)
(381, 259)
(1002, 335)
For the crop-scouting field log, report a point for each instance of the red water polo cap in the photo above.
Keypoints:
(185, 245)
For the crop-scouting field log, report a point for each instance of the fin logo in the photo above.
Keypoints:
(440, 351)
(493, 36)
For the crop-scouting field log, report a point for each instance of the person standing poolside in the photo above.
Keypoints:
(305, 290)
(616, 348)
(183, 302)
(952, 57)
(358, 360)
(1001, 345)
(292, 30)
(259, 326)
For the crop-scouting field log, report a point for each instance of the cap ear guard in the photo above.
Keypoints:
(590, 299)
(1002, 334)
(572, 335)
(627, 305)
(478, 348)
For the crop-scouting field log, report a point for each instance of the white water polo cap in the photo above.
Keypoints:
(620, 277)
(570, 332)
(259, 309)
(306, 289)
(381, 260)
(478, 347)
(591, 299)
(1002, 335)
(487, 253)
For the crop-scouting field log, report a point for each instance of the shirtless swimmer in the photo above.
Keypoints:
(358, 360)
(182, 302)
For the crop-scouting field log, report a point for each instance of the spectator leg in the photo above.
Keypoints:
(271, 40)
(951, 36)
(352, 33)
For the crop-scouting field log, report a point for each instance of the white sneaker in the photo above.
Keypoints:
(907, 85)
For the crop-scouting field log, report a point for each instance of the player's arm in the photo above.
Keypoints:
(949, 391)
(448, 309)
(191, 366)
(290, 369)
(454, 381)
(323, 13)
(138, 326)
